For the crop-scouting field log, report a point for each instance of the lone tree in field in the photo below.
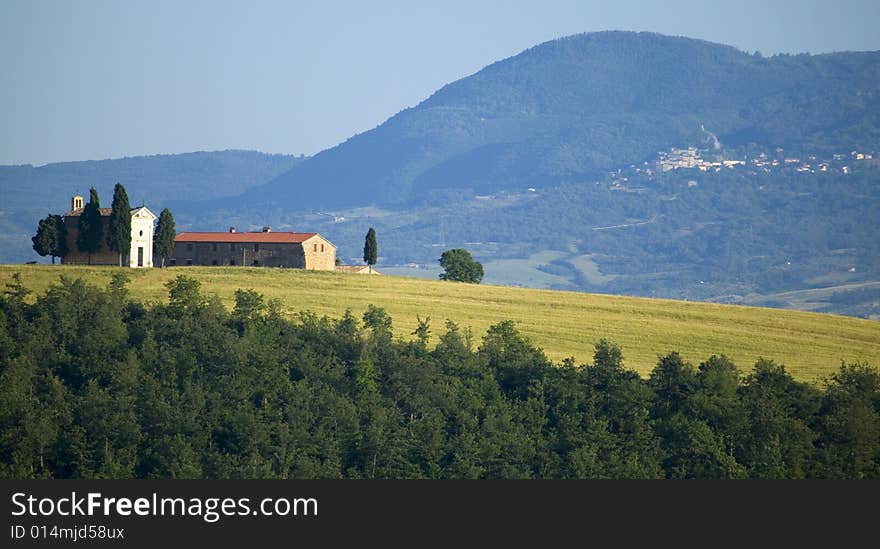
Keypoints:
(371, 249)
(51, 237)
(459, 266)
(119, 233)
(163, 239)
(91, 231)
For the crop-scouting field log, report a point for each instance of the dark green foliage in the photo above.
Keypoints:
(673, 381)
(459, 266)
(422, 331)
(163, 237)
(371, 249)
(849, 424)
(778, 442)
(93, 385)
(91, 227)
(51, 237)
(119, 231)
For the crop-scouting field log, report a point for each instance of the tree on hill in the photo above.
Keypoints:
(90, 228)
(163, 240)
(459, 266)
(51, 237)
(119, 233)
(371, 249)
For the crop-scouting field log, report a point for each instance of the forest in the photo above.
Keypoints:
(94, 384)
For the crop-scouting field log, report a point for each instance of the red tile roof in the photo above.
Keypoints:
(277, 237)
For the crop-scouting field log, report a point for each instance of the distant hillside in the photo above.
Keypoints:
(572, 108)
(30, 193)
(547, 167)
(562, 167)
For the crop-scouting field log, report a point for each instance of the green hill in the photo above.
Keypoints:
(552, 153)
(578, 106)
(564, 324)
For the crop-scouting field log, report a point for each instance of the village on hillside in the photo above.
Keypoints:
(692, 158)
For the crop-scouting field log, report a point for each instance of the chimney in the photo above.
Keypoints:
(232, 229)
(267, 229)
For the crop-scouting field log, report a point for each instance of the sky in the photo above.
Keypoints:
(90, 80)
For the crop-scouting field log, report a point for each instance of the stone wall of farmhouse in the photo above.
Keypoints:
(75, 257)
(239, 254)
(320, 254)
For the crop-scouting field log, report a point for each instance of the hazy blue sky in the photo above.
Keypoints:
(91, 80)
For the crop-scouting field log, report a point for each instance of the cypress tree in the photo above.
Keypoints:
(91, 230)
(163, 239)
(119, 233)
(60, 237)
(371, 249)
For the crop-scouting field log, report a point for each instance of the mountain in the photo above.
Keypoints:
(30, 193)
(614, 162)
(573, 108)
(618, 162)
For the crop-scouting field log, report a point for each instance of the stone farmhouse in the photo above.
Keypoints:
(265, 248)
(141, 253)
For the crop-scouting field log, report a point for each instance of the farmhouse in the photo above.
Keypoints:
(141, 252)
(264, 248)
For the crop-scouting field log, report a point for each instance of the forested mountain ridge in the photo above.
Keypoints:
(575, 107)
(546, 166)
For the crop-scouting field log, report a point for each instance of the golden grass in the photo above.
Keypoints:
(564, 324)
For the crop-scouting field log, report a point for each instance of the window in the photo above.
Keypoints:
(214, 262)
(232, 247)
(256, 263)
(322, 247)
(256, 247)
(172, 262)
(232, 262)
(214, 247)
(189, 246)
(315, 248)
(140, 233)
(189, 261)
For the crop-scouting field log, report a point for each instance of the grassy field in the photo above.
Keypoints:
(562, 323)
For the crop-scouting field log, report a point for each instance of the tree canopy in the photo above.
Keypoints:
(119, 231)
(459, 266)
(163, 238)
(96, 385)
(91, 228)
(371, 249)
(51, 237)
